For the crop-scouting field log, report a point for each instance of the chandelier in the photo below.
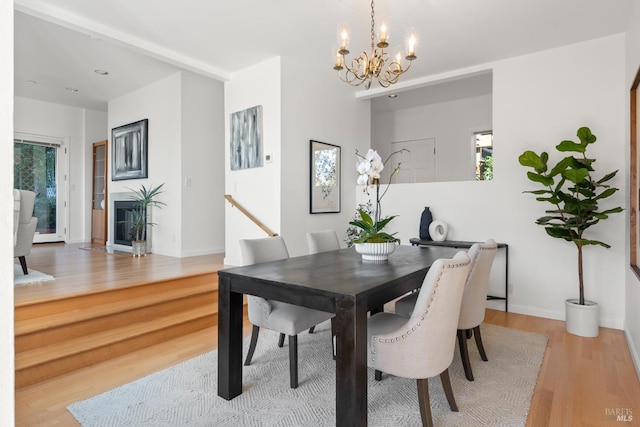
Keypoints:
(377, 64)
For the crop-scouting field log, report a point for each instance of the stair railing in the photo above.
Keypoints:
(235, 204)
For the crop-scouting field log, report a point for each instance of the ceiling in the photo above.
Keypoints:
(60, 43)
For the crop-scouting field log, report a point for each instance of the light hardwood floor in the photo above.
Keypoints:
(581, 381)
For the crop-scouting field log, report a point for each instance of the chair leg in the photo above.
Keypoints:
(478, 337)
(378, 375)
(448, 391)
(281, 340)
(23, 263)
(464, 354)
(311, 329)
(293, 360)
(333, 337)
(252, 345)
(425, 404)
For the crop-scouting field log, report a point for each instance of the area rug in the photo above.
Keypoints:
(34, 276)
(186, 394)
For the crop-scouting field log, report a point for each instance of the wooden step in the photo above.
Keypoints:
(87, 325)
(61, 335)
(71, 354)
(127, 297)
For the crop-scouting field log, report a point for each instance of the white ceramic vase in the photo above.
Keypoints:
(582, 320)
(375, 251)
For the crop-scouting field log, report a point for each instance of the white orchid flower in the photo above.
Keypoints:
(363, 179)
(363, 167)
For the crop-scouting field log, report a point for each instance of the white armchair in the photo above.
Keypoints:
(24, 227)
(422, 346)
(474, 301)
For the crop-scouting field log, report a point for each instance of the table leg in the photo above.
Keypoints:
(351, 363)
(229, 341)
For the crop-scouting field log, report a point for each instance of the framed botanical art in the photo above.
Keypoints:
(325, 178)
(129, 151)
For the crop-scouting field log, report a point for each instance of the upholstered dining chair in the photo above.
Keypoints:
(25, 228)
(277, 316)
(422, 346)
(474, 301)
(322, 241)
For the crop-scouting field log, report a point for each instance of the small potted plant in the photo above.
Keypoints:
(144, 198)
(372, 242)
(574, 193)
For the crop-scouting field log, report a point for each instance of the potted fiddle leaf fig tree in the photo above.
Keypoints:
(145, 198)
(574, 193)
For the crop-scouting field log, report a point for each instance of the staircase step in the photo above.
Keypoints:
(51, 335)
(71, 354)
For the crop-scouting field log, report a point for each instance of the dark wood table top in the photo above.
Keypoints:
(334, 274)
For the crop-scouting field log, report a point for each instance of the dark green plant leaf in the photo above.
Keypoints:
(585, 135)
(546, 181)
(606, 193)
(562, 165)
(607, 177)
(570, 146)
(575, 175)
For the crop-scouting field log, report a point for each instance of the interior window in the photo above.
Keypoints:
(484, 155)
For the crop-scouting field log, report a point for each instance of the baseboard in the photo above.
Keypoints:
(559, 315)
(633, 351)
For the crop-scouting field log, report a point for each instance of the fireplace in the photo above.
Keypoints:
(122, 221)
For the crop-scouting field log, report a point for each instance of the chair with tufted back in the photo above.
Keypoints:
(277, 316)
(422, 346)
(474, 301)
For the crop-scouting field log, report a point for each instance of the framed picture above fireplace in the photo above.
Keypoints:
(129, 151)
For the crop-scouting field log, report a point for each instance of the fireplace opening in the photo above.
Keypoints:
(123, 215)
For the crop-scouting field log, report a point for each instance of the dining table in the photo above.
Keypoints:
(339, 282)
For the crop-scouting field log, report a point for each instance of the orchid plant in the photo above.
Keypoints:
(369, 169)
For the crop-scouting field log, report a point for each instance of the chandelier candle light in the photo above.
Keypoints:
(366, 67)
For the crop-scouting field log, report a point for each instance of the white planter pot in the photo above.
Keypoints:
(582, 320)
(375, 251)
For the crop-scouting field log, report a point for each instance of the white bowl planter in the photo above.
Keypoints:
(582, 320)
(375, 251)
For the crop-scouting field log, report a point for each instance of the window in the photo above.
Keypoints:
(484, 155)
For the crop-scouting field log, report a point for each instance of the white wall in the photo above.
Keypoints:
(256, 189)
(160, 103)
(539, 100)
(74, 125)
(7, 360)
(202, 166)
(632, 289)
(321, 107)
(451, 123)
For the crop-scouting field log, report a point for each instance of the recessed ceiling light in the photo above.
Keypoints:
(101, 72)
(393, 95)
(71, 89)
(32, 82)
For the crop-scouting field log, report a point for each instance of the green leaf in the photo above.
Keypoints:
(607, 177)
(606, 193)
(575, 175)
(559, 233)
(585, 135)
(539, 192)
(562, 165)
(570, 146)
(532, 160)
(546, 181)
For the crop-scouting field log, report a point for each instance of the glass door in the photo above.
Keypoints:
(37, 166)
